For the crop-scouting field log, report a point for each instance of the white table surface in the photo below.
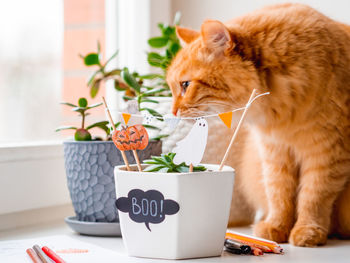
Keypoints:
(335, 251)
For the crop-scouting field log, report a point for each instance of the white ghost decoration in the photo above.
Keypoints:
(191, 148)
(171, 121)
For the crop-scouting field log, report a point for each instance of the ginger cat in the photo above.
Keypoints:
(294, 162)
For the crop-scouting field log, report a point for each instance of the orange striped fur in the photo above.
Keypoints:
(294, 162)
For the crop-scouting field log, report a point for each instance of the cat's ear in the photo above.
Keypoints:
(215, 35)
(186, 35)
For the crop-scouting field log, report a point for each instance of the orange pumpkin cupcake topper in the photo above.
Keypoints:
(131, 138)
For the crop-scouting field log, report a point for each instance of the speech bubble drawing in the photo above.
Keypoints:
(147, 207)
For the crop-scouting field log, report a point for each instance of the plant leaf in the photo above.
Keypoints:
(152, 112)
(153, 91)
(182, 169)
(113, 56)
(94, 105)
(151, 76)
(91, 59)
(130, 80)
(151, 127)
(68, 104)
(102, 125)
(97, 124)
(150, 101)
(61, 128)
(154, 59)
(159, 137)
(153, 168)
(127, 98)
(199, 168)
(157, 42)
(174, 48)
(82, 102)
(113, 73)
(95, 88)
(163, 170)
(150, 161)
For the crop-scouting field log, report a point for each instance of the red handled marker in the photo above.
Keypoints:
(51, 254)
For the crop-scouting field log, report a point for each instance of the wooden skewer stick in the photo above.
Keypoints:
(191, 168)
(236, 131)
(137, 160)
(113, 127)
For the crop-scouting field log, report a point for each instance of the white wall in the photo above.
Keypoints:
(194, 12)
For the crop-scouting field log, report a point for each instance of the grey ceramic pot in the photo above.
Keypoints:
(90, 177)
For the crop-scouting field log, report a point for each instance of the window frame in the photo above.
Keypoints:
(39, 166)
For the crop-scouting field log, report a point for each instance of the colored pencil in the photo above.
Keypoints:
(51, 254)
(33, 256)
(256, 251)
(263, 244)
(41, 254)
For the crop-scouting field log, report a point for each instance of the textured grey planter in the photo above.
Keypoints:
(90, 176)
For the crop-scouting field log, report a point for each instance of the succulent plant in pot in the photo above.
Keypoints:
(89, 163)
(167, 202)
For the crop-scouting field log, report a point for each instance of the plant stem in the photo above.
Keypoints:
(83, 120)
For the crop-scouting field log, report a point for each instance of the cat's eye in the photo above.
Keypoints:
(184, 85)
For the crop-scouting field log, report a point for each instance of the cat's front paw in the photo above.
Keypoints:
(308, 236)
(265, 229)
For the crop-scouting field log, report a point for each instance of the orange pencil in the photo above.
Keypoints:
(33, 256)
(263, 244)
(256, 251)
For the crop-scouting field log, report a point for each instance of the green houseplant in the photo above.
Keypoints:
(89, 163)
(89, 159)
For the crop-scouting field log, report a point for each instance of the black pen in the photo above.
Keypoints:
(245, 249)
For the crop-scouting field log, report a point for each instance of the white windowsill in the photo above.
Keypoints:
(30, 151)
(32, 176)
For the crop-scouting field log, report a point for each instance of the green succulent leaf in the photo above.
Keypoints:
(68, 104)
(163, 170)
(158, 42)
(79, 109)
(151, 76)
(151, 127)
(149, 100)
(159, 137)
(153, 168)
(95, 87)
(155, 59)
(153, 91)
(91, 59)
(130, 80)
(182, 169)
(165, 164)
(92, 77)
(61, 128)
(102, 125)
(94, 105)
(82, 102)
(174, 47)
(112, 57)
(152, 112)
(128, 98)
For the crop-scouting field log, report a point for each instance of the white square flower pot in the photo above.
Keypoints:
(174, 215)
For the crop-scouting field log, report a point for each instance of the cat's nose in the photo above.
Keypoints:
(175, 111)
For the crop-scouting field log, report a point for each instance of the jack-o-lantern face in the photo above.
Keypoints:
(131, 138)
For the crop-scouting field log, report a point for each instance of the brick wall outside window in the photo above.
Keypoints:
(84, 25)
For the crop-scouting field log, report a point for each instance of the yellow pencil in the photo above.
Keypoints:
(258, 242)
